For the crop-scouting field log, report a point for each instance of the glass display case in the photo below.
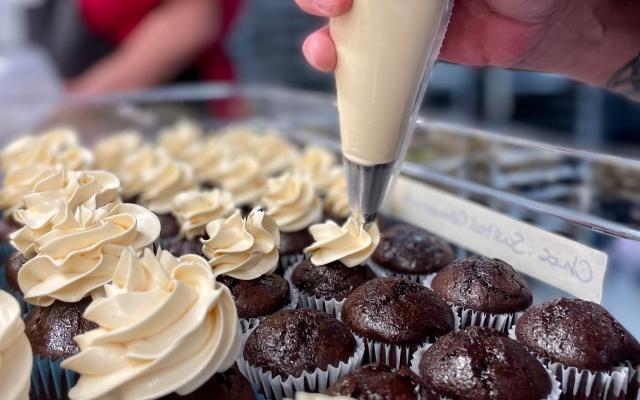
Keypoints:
(589, 196)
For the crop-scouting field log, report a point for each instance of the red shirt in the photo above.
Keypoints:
(114, 20)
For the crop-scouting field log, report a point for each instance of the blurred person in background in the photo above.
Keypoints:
(102, 46)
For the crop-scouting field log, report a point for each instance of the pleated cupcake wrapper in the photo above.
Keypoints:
(556, 390)
(418, 278)
(500, 322)
(608, 385)
(275, 387)
(5, 252)
(248, 324)
(307, 300)
(286, 262)
(393, 355)
(634, 385)
(50, 380)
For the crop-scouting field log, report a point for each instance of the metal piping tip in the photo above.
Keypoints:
(368, 185)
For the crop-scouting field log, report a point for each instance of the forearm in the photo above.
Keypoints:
(159, 48)
(591, 41)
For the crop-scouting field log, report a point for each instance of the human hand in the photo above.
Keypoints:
(585, 39)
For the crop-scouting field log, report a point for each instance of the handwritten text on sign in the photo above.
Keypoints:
(558, 261)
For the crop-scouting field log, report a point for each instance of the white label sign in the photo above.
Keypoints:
(556, 260)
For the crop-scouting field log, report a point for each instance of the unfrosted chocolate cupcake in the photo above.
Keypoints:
(169, 226)
(377, 381)
(577, 333)
(408, 251)
(398, 315)
(293, 243)
(258, 297)
(180, 247)
(332, 281)
(478, 288)
(230, 385)
(51, 329)
(291, 342)
(481, 363)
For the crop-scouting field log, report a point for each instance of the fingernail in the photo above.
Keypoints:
(307, 50)
(325, 5)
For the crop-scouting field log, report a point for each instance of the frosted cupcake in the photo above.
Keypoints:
(194, 210)
(292, 201)
(275, 153)
(111, 151)
(337, 264)
(16, 359)
(244, 255)
(244, 178)
(181, 140)
(317, 162)
(164, 328)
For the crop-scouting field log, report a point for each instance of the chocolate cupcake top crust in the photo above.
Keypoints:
(334, 280)
(294, 242)
(409, 249)
(378, 381)
(483, 284)
(577, 333)
(51, 329)
(482, 363)
(228, 385)
(290, 342)
(258, 297)
(396, 311)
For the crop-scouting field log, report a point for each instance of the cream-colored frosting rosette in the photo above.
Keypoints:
(55, 197)
(336, 201)
(275, 153)
(316, 162)
(195, 209)
(133, 167)
(208, 159)
(111, 151)
(80, 254)
(164, 326)
(244, 249)
(181, 140)
(239, 138)
(351, 243)
(244, 178)
(291, 200)
(18, 183)
(163, 182)
(16, 358)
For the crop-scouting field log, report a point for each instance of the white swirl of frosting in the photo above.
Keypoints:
(164, 326)
(16, 358)
(243, 249)
(316, 162)
(292, 201)
(350, 244)
(134, 166)
(181, 140)
(18, 183)
(110, 152)
(239, 139)
(275, 153)
(163, 182)
(80, 254)
(336, 201)
(54, 196)
(244, 178)
(195, 209)
(207, 159)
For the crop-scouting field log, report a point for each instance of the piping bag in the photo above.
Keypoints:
(386, 52)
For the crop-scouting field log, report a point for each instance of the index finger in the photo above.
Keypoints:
(325, 8)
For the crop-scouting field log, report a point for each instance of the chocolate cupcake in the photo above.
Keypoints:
(228, 385)
(336, 266)
(584, 345)
(412, 253)
(186, 323)
(378, 381)
(481, 363)
(292, 201)
(483, 292)
(193, 210)
(394, 317)
(296, 349)
(244, 253)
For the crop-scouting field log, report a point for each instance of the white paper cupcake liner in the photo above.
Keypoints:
(275, 387)
(307, 300)
(286, 262)
(396, 356)
(633, 392)
(555, 393)
(605, 385)
(418, 278)
(49, 380)
(500, 322)
(248, 324)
